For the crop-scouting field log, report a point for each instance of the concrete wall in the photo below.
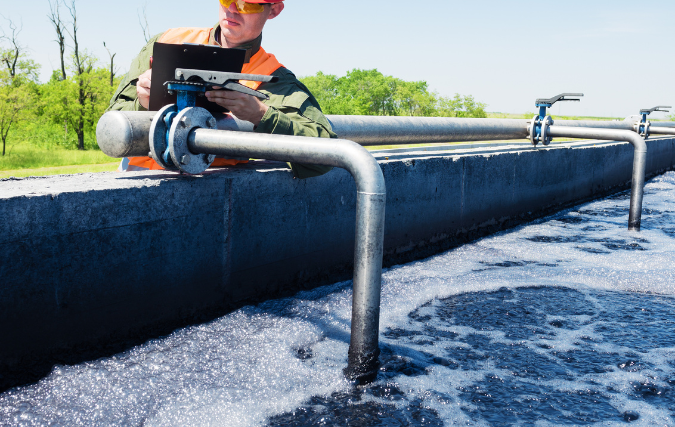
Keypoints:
(91, 264)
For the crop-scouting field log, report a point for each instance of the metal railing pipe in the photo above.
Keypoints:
(370, 206)
(661, 130)
(639, 161)
(378, 130)
(662, 124)
(597, 124)
(658, 128)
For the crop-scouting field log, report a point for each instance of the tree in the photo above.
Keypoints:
(414, 99)
(80, 100)
(15, 105)
(369, 92)
(332, 96)
(18, 78)
(460, 106)
(372, 91)
(113, 71)
(55, 18)
(83, 65)
(14, 57)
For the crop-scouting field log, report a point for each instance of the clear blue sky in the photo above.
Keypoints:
(504, 53)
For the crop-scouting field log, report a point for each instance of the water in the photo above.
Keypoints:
(564, 321)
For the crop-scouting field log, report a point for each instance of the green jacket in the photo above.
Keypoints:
(293, 109)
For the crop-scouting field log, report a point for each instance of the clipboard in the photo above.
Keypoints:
(167, 57)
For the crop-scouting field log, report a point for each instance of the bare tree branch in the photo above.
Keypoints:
(55, 17)
(112, 67)
(143, 20)
(11, 56)
(73, 36)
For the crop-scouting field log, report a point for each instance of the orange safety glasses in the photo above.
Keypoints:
(243, 7)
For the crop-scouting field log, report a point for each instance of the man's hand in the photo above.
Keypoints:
(245, 107)
(143, 88)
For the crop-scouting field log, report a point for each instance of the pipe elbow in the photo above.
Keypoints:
(638, 142)
(362, 166)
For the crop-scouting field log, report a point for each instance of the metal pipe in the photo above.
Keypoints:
(597, 124)
(370, 205)
(126, 133)
(662, 124)
(661, 130)
(639, 161)
(365, 130)
(376, 130)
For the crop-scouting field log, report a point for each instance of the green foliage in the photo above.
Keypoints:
(18, 66)
(460, 106)
(44, 133)
(369, 92)
(17, 95)
(78, 101)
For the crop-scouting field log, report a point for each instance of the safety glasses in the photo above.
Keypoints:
(243, 7)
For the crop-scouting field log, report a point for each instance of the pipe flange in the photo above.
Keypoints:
(159, 136)
(643, 128)
(533, 131)
(545, 139)
(185, 122)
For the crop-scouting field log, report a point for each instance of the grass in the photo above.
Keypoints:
(59, 170)
(25, 156)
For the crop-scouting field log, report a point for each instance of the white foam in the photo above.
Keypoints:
(243, 368)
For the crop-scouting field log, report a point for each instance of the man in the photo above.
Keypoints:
(291, 109)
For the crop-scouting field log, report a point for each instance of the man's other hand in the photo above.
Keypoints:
(143, 88)
(245, 107)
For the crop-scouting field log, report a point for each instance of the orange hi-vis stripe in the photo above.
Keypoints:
(261, 63)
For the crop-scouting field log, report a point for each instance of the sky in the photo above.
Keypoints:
(504, 53)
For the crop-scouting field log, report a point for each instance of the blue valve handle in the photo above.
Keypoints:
(539, 121)
(643, 128)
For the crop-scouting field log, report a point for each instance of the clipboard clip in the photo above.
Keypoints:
(224, 80)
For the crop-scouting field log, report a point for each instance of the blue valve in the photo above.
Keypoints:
(542, 121)
(643, 126)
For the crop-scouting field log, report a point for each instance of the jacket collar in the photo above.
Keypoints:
(251, 47)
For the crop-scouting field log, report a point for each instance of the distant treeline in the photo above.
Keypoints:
(369, 92)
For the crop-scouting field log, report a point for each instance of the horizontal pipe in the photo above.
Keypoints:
(596, 124)
(657, 128)
(662, 124)
(639, 161)
(370, 204)
(391, 130)
(126, 133)
(661, 131)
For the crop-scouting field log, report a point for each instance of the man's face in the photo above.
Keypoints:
(237, 28)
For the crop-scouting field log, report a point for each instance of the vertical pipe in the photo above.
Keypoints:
(364, 347)
(639, 161)
(637, 189)
(370, 207)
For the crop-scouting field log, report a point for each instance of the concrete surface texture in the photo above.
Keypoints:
(94, 263)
